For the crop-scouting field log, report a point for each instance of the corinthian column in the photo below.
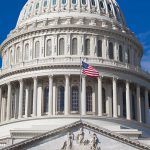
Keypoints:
(138, 95)
(20, 99)
(100, 104)
(128, 103)
(67, 95)
(35, 96)
(83, 98)
(115, 111)
(27, 102)
(8, 102)
(50, 97)
(146, 106)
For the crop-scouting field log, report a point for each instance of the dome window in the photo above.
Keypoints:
(45, 3)
(30, 9)
(53, 2)
(109, 7)
(74, 2)
(120, 54)
(111, 51)
(84, 2)
(128, 55)
(61, 47)
(101, 4)
(93, 2)
(26, 53)
(74, 46)
(99, 48)
(37, 49)
(18, 55)
(87, 47)
(63, 2)
(37, 6)
(49, 48)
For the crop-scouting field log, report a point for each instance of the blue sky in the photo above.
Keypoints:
(137, 14)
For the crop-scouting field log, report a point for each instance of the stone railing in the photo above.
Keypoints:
(55, 61)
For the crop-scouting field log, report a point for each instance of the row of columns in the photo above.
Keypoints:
(115, 100)
(67, 99)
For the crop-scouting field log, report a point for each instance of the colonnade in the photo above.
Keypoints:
(6, 102)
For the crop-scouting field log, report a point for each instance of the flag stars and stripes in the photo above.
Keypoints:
(88, 70)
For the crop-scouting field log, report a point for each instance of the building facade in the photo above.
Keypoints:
(40, 75)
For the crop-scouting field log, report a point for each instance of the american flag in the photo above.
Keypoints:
(88, 70)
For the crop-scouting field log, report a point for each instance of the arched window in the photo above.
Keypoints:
(120, 53)
(60, 99)
(30, 8)
(18, 54)
(37, 49)
(74, 2)
(109, 6)
(99, 48)
(26, 53)
(11, 57)
(93, 2)
(87, 47)
(61, 47)
(111, 51)
(89, 99)
(101, 4)
(49, 48)
(128, 55)
(53, 2)
(63, 2)
(75, 98)
(74, 46)
(45, 3)
(37, 6)
(46, 92)
(83, 2)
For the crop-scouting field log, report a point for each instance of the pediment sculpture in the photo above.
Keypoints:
(80, 140)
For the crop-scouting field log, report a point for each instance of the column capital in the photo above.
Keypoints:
(50, 76)
(100, 77)
(8, 84)
(115, 79)
(67, 75)
(34, 78)
(83, 76)
(20, 80)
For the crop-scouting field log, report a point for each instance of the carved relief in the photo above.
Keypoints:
(81, 141)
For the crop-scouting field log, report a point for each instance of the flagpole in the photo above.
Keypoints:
(80, 87)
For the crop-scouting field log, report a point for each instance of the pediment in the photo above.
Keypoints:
(79, 136)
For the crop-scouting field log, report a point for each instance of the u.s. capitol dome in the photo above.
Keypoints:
(40, 86)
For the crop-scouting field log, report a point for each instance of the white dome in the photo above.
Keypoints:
(36, 10)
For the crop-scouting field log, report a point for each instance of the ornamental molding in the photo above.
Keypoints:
(99, 31)
(73, 69)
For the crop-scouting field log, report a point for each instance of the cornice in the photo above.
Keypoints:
(74, 66)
